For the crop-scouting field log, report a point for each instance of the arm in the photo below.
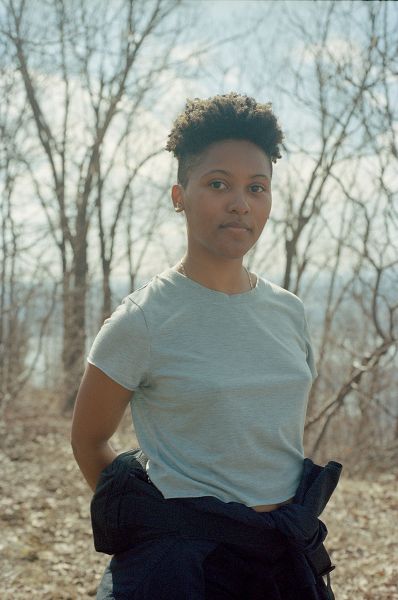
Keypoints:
(99, 408)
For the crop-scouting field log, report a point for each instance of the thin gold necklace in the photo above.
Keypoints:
(248, 274)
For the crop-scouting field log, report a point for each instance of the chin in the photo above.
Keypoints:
(235, 255)
(238, 252)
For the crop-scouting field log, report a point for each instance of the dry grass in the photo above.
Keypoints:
(46, 545)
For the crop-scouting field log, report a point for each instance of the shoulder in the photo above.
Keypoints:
(282, 295)
(126, 320)
(282, 303)
(158, 295)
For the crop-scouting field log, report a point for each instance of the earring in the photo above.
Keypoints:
(178, 208)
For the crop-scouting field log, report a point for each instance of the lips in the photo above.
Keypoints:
(235, 225)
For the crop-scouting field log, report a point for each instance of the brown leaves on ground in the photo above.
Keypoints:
(46, 544)
(362, 519)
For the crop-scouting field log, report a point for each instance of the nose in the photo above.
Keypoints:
(239, 203)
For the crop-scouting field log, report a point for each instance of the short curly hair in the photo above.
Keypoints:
(222, 117)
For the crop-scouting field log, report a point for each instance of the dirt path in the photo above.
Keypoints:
(46, 547)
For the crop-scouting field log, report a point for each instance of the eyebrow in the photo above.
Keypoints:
(228, 173)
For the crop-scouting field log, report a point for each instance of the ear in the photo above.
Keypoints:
(177, 196)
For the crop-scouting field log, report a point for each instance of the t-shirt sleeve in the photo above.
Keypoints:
(121, 349)
(310, 350)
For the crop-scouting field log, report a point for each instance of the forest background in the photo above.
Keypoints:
(89, 90)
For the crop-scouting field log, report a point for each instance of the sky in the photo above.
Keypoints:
(261, 63)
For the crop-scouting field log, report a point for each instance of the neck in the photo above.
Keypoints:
(228, 276)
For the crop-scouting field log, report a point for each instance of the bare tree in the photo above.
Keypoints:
(24, 312)
(350, 122)
(335, 216)
(106, 58)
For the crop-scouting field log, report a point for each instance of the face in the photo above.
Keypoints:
(231, 183)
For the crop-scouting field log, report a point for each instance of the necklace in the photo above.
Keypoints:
(248, 274)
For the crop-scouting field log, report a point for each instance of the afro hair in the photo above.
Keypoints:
(222, 117)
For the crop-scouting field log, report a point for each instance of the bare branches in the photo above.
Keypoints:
(339, 227)
(102, 64)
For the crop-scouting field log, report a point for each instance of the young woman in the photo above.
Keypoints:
(216, 363)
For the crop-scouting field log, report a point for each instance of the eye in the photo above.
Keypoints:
(261, 188)
(216, 184)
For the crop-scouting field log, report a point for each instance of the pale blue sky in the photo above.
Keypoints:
(259, 64)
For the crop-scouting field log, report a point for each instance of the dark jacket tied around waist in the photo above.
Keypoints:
(127, 509)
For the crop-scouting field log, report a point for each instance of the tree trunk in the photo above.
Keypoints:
(74, 349)
(106, 290)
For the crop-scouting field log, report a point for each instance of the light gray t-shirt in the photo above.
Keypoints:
(220, 382)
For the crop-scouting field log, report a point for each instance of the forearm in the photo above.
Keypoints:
(92, 459)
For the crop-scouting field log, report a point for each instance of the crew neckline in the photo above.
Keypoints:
(206, 292)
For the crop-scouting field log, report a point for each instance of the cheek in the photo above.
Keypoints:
(265, 208)
(268, 205)
(204, 210)
(200, 215)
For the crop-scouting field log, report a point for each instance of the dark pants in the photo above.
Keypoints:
(174, 568)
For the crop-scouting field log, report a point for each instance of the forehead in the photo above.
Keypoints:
(238, 156)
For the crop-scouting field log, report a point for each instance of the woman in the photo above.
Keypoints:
(215, 361)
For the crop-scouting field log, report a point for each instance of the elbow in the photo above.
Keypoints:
(81, 444)
(74, 445)
(78, 442)
(79, 438)
(74, 438)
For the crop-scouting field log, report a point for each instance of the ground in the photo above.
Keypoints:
(46, 547)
